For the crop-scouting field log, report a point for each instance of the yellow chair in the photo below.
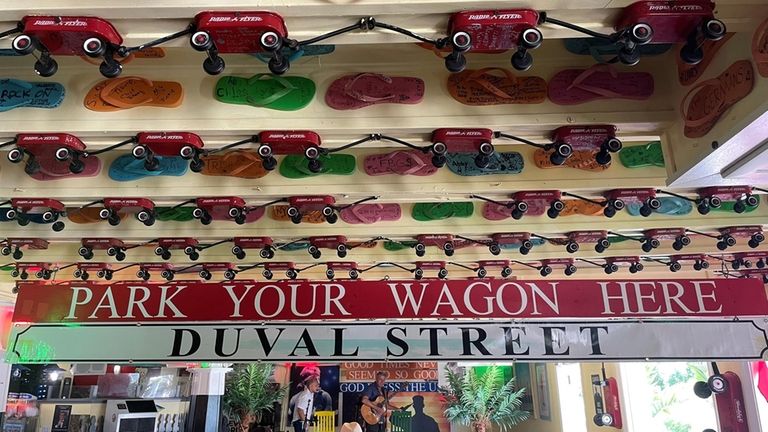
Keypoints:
(325, 421)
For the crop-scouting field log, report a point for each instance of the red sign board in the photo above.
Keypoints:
(456, 299)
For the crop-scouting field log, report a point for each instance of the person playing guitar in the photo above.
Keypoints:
(376, 407)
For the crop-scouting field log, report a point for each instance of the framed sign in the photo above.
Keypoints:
(61, 417)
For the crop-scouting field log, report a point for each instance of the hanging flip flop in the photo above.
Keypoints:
(245, 164)
(494, 212)
(400, 162)
(293, 55)
(577, 86)
(601, 50)
(297, 166)
(221, 213)
(178, 214)
(131, 92)
(688, 73)
(264, 90)
(760, 48)
(128, 168)
(708, 100)
(280, 213)
(463, 164)
(575, 207)
(295, 246)
(670, 206)
(424, 212)
(393, 246)
(487, 87)
(642, 155)
(727, 206)
(579, 159)
(16, 93)
(54, 169)
(365, 89)
(87, 215)
(371, 213)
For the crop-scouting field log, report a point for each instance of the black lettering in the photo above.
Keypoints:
(178, 336)
(467, 342)
(265, 344)
(402, 344)
(594, 336)
(338, 346)
(219, 348)
(510, 342)
(308, 345)
(433, 345)
(549, 349)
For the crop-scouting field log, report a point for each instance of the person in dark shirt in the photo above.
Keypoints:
(373, 391)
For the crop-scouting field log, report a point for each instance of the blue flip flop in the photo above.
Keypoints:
(17, 93)
(293, 55)
(293, 246)
(128, 168)
(670, 206)
(515, 246)
(463, 164)
(36, 218)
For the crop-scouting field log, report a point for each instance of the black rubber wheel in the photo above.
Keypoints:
(739, 207)
(703, 208)
(702, 390)
(629, 57)
(522, 60)
(213, 67)
(609, 212)
(76, 166)
(18, 254)
(691, 55)
(645, 210)
(46, 69)
(269, 163)
(494, 249)
(196, 165)
(603, 157)
(438, 161)
(32, 166)
(279, 65)
(646, 247)
(718, 384)
(713, 29)
(110, 69)
(57, 226)
(315, 165)
(455, 62)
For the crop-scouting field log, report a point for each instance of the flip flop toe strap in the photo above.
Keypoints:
(578, 82)
(479, 75)
(359, 95)
(287, 87)
(418, 164)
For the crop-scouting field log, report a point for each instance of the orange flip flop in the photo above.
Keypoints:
(580, 159)
(86, 215)
(132, 91)
(688, 73)
(280, 213)
(484, 87)
(579, 207)
(708, 100)
(245, 164)
(760, 48)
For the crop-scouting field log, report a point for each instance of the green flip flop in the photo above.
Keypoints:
(394, 246)
(642, 155)
(267, 91)
(727, 206)
(424, 212)
(178, 214)
(297, 166)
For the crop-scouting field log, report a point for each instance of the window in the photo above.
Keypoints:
(659, 397)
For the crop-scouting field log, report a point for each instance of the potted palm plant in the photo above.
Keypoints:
(249, 391)
(480, 401)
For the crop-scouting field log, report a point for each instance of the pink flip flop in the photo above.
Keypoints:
(371, 213)
(577, 86)
(760, 48)
(222, 213)
(497, 212)
(53, 169)
(364, 89)
(402, 162)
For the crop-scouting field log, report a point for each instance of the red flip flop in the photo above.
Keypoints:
(577, 86)
(760, 48)
(496, 212)
(364, 89)
(222, 213)
(53, 169)
(402, 162)
(371, 213)
(708, 100)
(688, 73)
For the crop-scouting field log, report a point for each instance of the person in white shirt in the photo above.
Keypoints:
(302, 412)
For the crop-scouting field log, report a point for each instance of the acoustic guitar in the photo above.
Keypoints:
(370, 416)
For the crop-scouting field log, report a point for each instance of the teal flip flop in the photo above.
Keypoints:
(463, 164)
(293, 55)
(128, 168)
(670, 206)
(17, 93)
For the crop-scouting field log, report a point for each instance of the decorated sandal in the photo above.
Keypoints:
(642, 155)
(264, 90)
(280, 213)
(424, 212)
(708, 100)
(579, 159)
(670, 206)
(371, 213)
(131, 92)
(16, 93)
(401, 162)
(245, 164)
(484, 87)
(297, 166)
(54, 169)
(577, 86)
(760, 48)
(128, 168)
(463, 164)
(365, 89)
